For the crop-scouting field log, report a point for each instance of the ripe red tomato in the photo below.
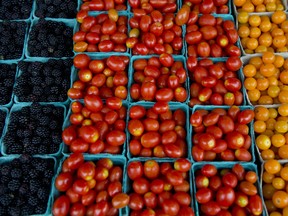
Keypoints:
(64, 181)
(225, 196)
(204, 195)
(61, 206)
(135, 170)
(140, 185)
(170, 207)
(151, 169)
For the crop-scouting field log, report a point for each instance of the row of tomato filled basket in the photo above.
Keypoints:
(145, 34)
(95, 185)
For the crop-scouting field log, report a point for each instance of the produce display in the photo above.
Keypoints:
(221, 135)
(101, 77)
(7, 75)
(215, 83)
(159, 188)
(266, 79)
(103, 33)
(143, 107)
(43, 81)
(260, 33)
(157, 134)
(271, 129)
(227, 191)
(162, 79)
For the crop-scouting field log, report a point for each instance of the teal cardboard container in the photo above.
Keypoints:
(224, 17)
(74, 73)
(43, 60)
(66, 152)
(8, 159)
(10, 62)
(68, 22)
(36, 17)
(251, 129)
(17, 107)
(119, 161)
(25, 41)
(128, 182)
(95, 14)
(131, 73)
(240, 77)
(173, 107)
(225, 165)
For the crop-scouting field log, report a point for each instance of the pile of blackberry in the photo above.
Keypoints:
(25, 184)
(56, 8)
(2, 121)
(34, 129)
(12, 35)
(50, 39)
(15, 9)
(7, 78)
(43, 82)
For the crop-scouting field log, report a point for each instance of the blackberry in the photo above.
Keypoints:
(6, 199)
(42, 194)
(40, 209)
(15, 9)
(24, 188)
(27, 210)
(14, 185)
(14, 211)
(2, 120)
(5, 170)
(50, 48)
(34, 185)
(48, 174)
(16, 173)
(33, 201)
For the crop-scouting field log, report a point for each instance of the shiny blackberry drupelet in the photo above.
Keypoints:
(56, 8)
(50, 39)
(12, 35)
(35, 85)
(28, 134)
(15, 9)
(7, 78)
(29, 193)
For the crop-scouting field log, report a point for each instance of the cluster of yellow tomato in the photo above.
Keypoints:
(261, 33)
(275, 187)
(266, 79)
(259, 5)
(271, 131)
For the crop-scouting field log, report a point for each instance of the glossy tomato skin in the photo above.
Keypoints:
(210, 208)
(61, 206)
(135, 170)
(225, 196)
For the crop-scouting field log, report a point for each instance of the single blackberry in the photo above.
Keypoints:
(43, 194)
(24, 188)
(14, 211)
(33, 201)
(14, 185)
(48, 174)
(34, 185)
(5, 170)
(40, 209)
(27, 210)
(43, 149)
(3, 189)
(6, 199)
(4, 179)
(16, 173)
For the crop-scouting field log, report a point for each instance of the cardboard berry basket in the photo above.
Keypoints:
(10, 158)
(128, 181)
(25, 41)
(42, 60)
(99, 56)
(18, 107)
(251, 130)
(269, 14)
(66, 152)
(172, 107)
(35, 8)
(118, 160)
(95, 14)
(224, 17)
(131, 73)
(226, 165)
(245, 60)
(68, 22)
(10, 62)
